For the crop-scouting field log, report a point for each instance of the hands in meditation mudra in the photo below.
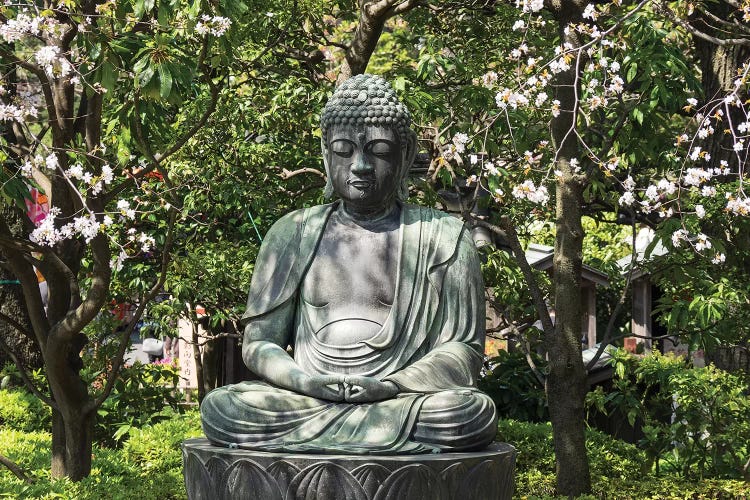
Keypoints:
(381, 302)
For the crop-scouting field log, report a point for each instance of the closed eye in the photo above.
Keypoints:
(342, 148)
(381, 148)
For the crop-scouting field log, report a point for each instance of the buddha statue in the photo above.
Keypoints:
(380, 301)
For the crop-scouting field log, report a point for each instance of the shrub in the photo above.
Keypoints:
(143, 394)
(514, 388)
(148, 467)
(23, 411)
(696, 421)
(616, 469)
(156, 448)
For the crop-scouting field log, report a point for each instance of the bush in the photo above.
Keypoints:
(696, 421)
(616, 469)
(23, 411)
(156, 448)
(514, 388)
(149, 466)
(143, 394)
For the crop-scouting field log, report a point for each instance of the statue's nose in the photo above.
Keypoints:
(362, 166)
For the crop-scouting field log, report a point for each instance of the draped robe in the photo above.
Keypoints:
(430, 346)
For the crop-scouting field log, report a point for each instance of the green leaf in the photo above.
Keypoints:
(146, 76)
(109, 75)
(638, 116)
(165, 81)
(632, 70)
(121, 431)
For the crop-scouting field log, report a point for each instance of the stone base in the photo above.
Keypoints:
(216, 473)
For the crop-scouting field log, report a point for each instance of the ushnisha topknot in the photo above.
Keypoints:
(366, 100)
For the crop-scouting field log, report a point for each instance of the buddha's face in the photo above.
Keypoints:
(364, 163)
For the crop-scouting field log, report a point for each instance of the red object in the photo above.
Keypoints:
(37, 207)
(121, 310)
(154, 175)
(630, 344)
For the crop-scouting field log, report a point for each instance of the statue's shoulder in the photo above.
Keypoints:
(428, 215)
(294, 222)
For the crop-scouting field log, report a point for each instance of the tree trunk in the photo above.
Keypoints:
(72, 440)
(730, 358)
(370, 24)
(58, 444)
(13, 305)
(195, 345)
(719, 65)
(72, 425)
(566, 384)
(211, 363)
(719, 69)
(214, 356)
(78, 443)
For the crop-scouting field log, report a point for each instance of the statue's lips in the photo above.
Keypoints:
(360, 183)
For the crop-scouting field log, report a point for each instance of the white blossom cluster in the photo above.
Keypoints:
(49, 57)
(88, 225)
(683, 194)
(40, 162)
(535, 194)
(24, 25)
(123, 206)
(530, 5)
(17, 113)
(85, 226)
(49, 233)
(216, 25)
(459, 142)
(147, 242)
(89, 181)
(738, 206)
(53, 61)
(507, 97)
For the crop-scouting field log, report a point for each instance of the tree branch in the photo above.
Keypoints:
(611, 323)
(372, 18)
(15, 324)
(211, 338)
(196, 127)
(664, 9)
(15, 469)
(288, 174)
(82, 315)
(62, 283)
(29, 284)
(509, 234)
(157, 158)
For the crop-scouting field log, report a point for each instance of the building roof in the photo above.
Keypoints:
(645, 251)
(540, 257)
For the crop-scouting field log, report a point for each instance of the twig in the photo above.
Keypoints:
(15, 469)
(288, 174)
(156, 159)
(664, 9)
(211, 338)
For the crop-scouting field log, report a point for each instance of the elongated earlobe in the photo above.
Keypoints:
(328, 189)
(410, 152)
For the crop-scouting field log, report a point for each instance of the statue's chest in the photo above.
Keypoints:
(351, 283)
